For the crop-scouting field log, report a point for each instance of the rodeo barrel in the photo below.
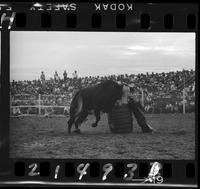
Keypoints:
(120, 119)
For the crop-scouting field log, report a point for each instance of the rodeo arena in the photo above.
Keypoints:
(39, 113)
(158, 93)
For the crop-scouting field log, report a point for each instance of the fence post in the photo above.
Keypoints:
(184, 101)
(142, 98)
(39, 104)
(11, 104)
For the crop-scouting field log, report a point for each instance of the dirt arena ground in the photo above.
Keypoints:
(39, 137)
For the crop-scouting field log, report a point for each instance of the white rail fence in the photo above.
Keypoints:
(58, 105)
(42, 105)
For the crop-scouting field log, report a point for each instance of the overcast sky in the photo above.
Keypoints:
(98, 53)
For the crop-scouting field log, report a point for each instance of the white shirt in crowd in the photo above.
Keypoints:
(75, 75)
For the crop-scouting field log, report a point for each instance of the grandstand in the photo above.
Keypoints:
(158, 92)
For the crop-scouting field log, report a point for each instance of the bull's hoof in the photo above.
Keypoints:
(85, 119)
(77, 131)
(94, 125)
(149, 129)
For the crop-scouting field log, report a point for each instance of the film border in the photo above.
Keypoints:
(34, 17)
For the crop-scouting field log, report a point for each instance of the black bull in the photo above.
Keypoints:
(101, 98)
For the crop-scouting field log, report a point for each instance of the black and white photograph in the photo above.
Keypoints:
(102, 95)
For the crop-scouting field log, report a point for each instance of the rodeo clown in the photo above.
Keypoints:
(134, 105)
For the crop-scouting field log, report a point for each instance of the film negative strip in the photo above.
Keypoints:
(99, 94)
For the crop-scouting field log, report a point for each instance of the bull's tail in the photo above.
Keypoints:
(75, 109)
(76, 105)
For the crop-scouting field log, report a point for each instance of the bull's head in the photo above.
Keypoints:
(126, 90)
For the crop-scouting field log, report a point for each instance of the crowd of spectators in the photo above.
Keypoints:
(162, 92)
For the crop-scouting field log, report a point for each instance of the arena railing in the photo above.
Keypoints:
(39, 105)
(47, 105)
